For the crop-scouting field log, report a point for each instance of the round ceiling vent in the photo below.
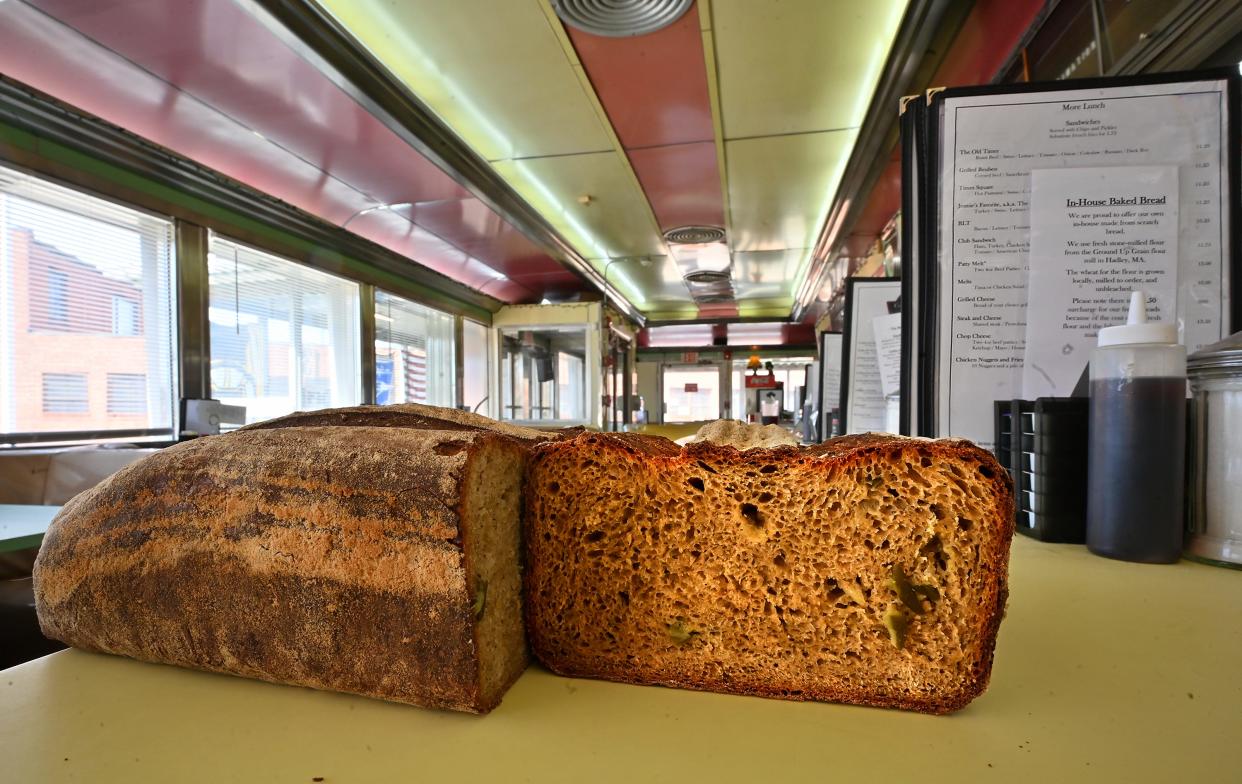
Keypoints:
(695, 235)
(706, 277)
(620, 18)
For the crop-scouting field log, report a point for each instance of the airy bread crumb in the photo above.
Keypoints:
(870, 570)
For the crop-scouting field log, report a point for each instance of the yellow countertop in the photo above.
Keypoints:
(1105, 671)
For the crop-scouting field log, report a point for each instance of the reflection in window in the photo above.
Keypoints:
(477, 366)
(124, 316)
(284, 337)
(85, 294)
(543, 374)
(57, 297)
(691, 394)
(414, 360)
(65, 393)
(127, 393)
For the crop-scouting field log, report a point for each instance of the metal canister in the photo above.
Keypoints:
(1214, 521)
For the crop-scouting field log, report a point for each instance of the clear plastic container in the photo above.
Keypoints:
(1136, 474)
(1215, 488)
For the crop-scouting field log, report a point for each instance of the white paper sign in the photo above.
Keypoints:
(864, 405)
(830, 386)
(1096, 235)
(991, 145)
(887, 331)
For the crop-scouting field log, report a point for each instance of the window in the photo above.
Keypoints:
(414, 353)
(477, 366)
(543, 374)
(57, 297)
(284, 337)
(124, 316)
(65, 393)
(66, 260)
(127, 393)
(691, 394)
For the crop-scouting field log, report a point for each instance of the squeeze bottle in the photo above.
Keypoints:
(1137, 441)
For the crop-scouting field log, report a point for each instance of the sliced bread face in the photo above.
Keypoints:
(868, 570)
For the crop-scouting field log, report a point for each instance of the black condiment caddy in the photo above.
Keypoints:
(1043, 444)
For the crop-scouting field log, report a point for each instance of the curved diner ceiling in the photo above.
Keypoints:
(740, 115)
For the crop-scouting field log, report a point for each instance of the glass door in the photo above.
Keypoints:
(691, 393)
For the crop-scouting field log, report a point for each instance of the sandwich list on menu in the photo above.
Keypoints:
(1065, 204)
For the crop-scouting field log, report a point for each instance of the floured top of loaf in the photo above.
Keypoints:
(741, 435)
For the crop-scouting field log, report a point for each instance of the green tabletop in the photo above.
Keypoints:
(1105, 672)
(23, 525)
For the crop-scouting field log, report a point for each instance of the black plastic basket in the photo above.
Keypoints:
(1043, 443)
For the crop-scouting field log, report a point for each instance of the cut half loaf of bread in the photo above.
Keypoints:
(868, 570)
(381, 561)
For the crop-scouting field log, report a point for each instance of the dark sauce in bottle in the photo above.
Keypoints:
(1136, 468)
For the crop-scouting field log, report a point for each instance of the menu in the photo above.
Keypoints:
(863, 405)
(1052, 206)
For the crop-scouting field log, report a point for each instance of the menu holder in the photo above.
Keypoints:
(912, 126)
(1038, 208)
(870, 373)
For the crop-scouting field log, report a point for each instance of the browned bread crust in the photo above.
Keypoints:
(411, 415)
(332, 557)
(769, 571)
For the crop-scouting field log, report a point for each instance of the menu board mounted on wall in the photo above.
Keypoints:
(1049, 204)
(871, 355)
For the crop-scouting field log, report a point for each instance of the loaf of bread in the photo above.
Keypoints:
(868, 570)
(411, 415)
(739, 434)
(381, 561)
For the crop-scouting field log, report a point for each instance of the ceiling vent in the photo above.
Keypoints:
(695, 235)
(708, 277)
(620, 18)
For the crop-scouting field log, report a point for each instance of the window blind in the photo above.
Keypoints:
(284, 336)
(86, 293)
(414, 353)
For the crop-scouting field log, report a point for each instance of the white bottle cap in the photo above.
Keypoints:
(1137, 328)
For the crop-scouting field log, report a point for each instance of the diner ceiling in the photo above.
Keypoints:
(740, 115)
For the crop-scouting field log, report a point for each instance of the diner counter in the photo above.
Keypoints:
(1105, 671)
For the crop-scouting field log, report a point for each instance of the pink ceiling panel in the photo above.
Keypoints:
(470, 225)
(654, 87)
(682, 183)
(50, 57)
(224, 57)
(209, 82)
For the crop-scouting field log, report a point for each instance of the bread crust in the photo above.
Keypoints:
(328, 557)
(409, 415)
(660, 455)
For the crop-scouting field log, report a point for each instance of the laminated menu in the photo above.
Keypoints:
(1052, 203)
